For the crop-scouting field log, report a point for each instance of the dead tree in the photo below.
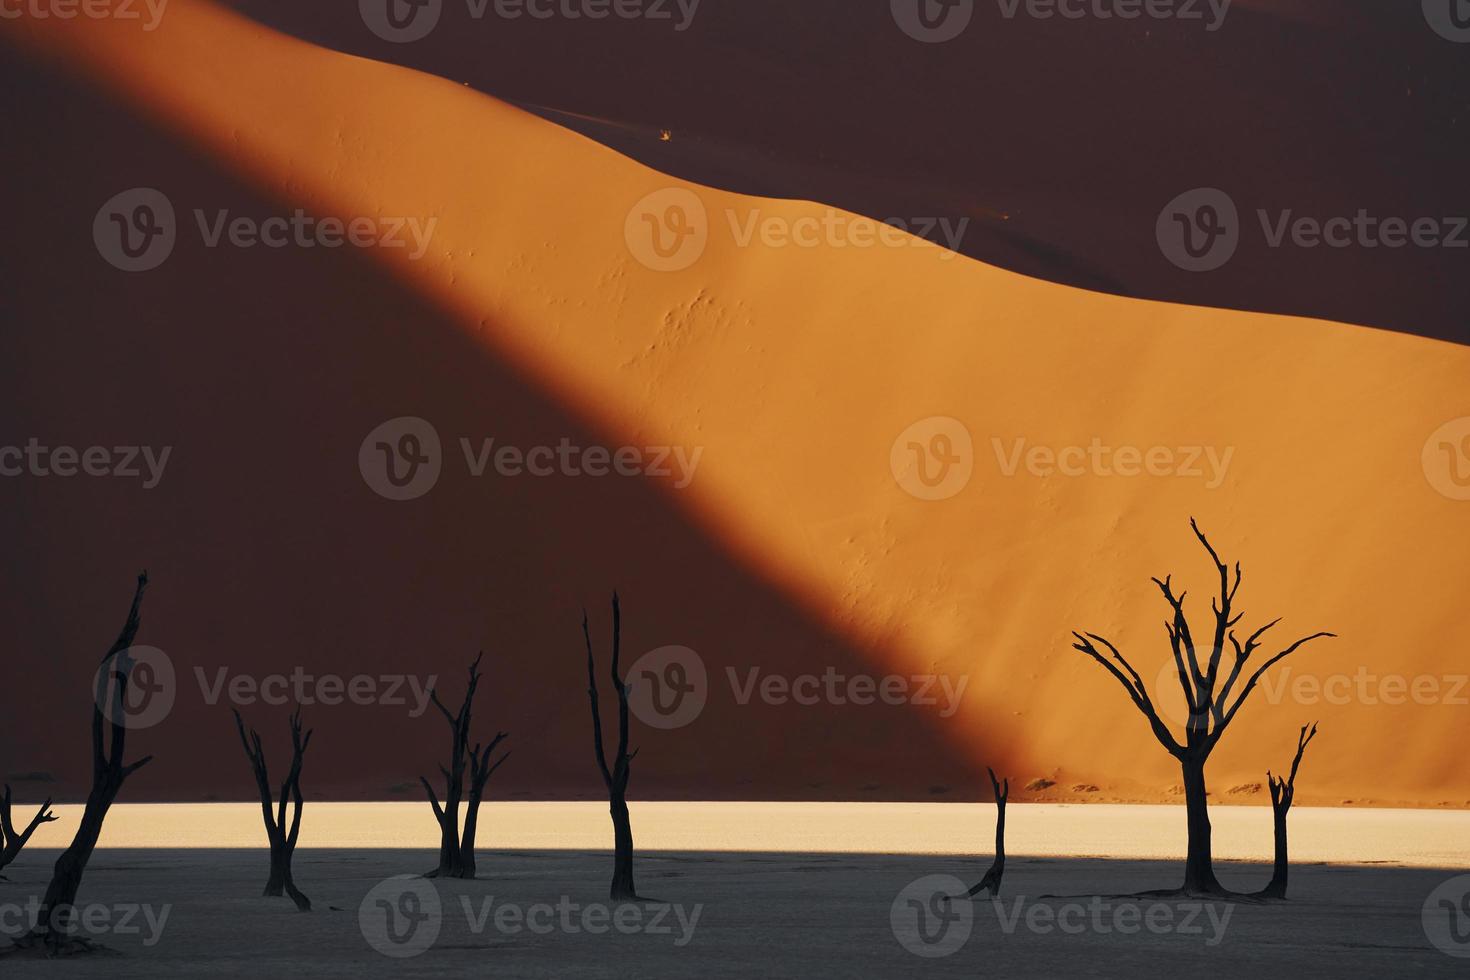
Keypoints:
(997, 871)
(109, 772)
(1207, 694)
(282, 840)
(456, 849)
(615, 778)
(12, 842)
(1283, 792)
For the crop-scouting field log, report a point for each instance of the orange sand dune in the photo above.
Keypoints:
(797, 369)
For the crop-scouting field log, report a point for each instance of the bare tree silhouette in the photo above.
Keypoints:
(282, 840)
(109, 772)
(997, 871)
(456, 850)
(616, 778)
(12, 842)
(1211, 709)
(1283, 792)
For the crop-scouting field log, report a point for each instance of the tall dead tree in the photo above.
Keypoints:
(616, 777)
(992, 879)
(1283, 792)
(1208, 696)
(11, 841)
(456, 849)
(282, 840)
(109, 772)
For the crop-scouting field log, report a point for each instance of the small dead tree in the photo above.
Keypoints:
(282, 840)
(1283, 792)
(997, 871)
(109, 772)
(12, 842)
(456, 848)
(1207, 694)
(615, 778)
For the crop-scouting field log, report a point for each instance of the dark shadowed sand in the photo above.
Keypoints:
(729, 912)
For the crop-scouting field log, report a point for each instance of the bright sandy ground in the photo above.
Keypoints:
(1413, 838)
(810, 911)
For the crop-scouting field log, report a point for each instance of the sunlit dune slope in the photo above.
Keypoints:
(796, 370)
(1058, 138)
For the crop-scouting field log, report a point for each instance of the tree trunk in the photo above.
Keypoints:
(282, 882)
(991, 881)
(456, 849)
(66, 879)
(622, 880)
(467, 864)
(275, 886)
(1277, 887)
(1199, 866)
(449, 862)
(108, 775)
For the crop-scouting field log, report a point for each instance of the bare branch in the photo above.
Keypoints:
(592, 696)
(1136, 691)
(1251, 684)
